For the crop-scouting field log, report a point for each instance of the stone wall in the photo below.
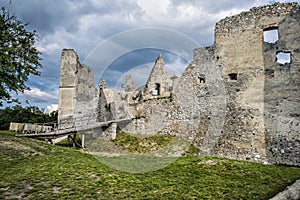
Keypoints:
(246, 20)
(292, 192)
(159, 82)
(227, 103)
(129, 85)
(281, 93)
(77, 93)
(257, 86)
(150, 116)
(67, 88)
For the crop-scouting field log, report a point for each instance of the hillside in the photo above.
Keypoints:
(32, 169)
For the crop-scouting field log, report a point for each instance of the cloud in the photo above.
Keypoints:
(51, 108)
(136, 47)
(174, 65)
(139, 75)
(177, 66)
(82, 25)
(38, 96)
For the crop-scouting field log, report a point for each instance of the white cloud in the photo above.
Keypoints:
(51, 108)
(154, 8)
(48, 48)
(36, 95)
(139, 75)
(176, 67)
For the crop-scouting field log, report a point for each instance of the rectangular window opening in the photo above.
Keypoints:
(271, 35)
(233, 76)
(156, 89)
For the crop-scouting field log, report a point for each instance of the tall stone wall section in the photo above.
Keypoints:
(251, 129)
(67, 88)
(77, 93)
(281, 93)
(228, 104)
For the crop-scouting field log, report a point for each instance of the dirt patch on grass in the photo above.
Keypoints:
(18, 192)
(56, 189)
(14, 145)
(14, 148)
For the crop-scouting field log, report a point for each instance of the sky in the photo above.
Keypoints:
(118, 37)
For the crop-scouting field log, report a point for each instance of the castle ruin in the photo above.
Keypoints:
(236, 99)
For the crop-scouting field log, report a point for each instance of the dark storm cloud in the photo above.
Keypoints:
(127, 44)
(48, 15)
(43, 16)
(141, 58)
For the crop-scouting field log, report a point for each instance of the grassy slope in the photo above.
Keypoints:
(32, 169)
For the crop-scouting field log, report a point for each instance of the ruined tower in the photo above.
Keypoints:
(159, 82)
(76, 92)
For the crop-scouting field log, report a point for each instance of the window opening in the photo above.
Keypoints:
(202, 78)
(271, 35)
(233, 76)
(156, 89)
(283, 57)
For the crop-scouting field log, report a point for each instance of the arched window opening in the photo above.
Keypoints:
(202, 78)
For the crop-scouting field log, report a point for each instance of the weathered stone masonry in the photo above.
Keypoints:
(254, 118)
(77, 93)
(233, 100)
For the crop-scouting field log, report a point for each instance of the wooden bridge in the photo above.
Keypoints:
(58, 133)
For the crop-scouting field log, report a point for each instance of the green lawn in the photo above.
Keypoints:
(32, 169)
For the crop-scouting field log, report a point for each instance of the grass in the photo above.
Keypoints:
(141, 143)
(136, 143)
(33, 169)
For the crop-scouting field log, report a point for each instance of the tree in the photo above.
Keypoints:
(18, 56)
(29, 114)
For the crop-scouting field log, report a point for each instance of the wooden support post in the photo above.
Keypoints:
(82, 141)
(69, 136)
(74, 140)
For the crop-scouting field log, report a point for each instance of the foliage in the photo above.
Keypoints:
(33, 169)
(18, 56)
(29, 114)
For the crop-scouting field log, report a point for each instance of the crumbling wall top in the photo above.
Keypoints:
(129, 84)
(242, 20)
(69, 56)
